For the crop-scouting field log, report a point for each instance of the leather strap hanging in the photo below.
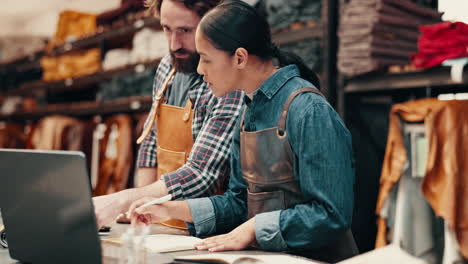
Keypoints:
(155, 107)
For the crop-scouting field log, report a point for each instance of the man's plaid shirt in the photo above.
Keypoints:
(207, 168)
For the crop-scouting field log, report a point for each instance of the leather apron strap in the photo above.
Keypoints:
(155, 107)
(284, 113)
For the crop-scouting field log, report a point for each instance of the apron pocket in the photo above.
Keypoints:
(261, 202)
(169, 161)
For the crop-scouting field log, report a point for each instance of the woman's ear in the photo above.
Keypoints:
(241, 56)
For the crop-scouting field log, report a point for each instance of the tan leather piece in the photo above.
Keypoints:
(12, 136)
(114, 171)
(73, 24)
(445, 185)
(381, 239)
(174, 137)
(71, 65)
(51, 133)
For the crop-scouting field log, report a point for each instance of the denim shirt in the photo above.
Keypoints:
(323, 166)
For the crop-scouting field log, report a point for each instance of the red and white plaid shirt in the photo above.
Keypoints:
(207, 169)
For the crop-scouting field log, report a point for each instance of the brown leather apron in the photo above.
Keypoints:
(174, 137)
(267, 167)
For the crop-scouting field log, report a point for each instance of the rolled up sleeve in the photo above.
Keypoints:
(203, 216)
(268, 232)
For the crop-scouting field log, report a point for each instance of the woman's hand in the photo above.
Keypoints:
(240, 238)
(147, 215)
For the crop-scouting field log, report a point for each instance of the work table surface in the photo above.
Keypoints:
(118, 229)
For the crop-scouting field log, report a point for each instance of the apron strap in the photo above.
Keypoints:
(154, 108)
(284, 113)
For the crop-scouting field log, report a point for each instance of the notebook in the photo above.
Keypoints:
(389, 254)
(161, 243)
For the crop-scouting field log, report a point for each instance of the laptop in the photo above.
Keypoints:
(46, 206)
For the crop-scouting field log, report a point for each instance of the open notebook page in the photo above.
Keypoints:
(226, 258)
(162, 243)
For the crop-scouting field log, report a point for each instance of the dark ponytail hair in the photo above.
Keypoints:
(234, 24)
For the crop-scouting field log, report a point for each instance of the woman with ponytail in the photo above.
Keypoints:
(292, 175)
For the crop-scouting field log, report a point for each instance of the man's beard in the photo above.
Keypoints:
(186, 65)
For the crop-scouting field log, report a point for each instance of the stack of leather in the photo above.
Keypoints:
(72, 25)
(70, 65)
(375, 34)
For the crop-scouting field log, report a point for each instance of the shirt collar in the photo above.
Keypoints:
(271, 86)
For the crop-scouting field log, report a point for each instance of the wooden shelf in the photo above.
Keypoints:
(79, 82)
(26, 63)
(93, 40)
(286, 37)
(125, 105)
(434, 77)
(31, 62)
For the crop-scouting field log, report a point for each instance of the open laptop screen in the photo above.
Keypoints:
(45, 198)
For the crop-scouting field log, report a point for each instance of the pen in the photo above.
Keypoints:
(157, 201)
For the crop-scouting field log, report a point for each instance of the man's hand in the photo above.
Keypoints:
(240, 238)
(108, 207)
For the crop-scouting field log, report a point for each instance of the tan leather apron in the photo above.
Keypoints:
(174, 137)
(267, 167)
